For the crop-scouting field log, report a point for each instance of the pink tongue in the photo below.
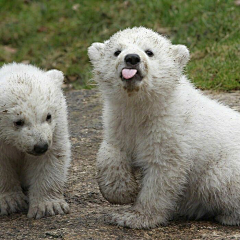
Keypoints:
(128, 73)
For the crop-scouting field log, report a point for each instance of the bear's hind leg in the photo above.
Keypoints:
(232, 219)
(221, 191)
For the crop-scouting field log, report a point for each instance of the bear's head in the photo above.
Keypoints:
(137, 59)
(30, 107)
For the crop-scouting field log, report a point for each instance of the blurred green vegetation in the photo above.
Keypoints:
(56, 34)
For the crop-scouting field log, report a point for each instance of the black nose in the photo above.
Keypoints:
(40, 148)
(132, 59)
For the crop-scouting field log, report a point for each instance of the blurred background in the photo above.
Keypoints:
(57, 33)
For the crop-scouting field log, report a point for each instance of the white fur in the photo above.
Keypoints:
(187, 145)
(30, 94)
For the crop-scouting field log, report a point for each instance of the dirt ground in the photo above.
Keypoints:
(87, 205)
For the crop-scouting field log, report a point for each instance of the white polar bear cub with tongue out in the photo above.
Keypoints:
(187, 145)
(34, 141)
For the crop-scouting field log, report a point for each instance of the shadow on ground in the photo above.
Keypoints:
(87, 205)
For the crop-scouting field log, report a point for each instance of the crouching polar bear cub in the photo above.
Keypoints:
(34, 141)
(187, 145)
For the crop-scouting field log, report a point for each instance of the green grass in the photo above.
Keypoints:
(56, 34)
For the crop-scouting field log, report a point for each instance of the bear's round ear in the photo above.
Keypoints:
(181, 54)
(56, 76)
(95, 51)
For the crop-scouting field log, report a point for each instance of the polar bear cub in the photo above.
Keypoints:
(34, 141)
(187, 145)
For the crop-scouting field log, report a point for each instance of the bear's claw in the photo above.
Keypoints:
(48, 208)
(12, 202)
(133, 219)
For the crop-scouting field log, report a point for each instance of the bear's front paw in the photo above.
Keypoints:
(134, 219)
(12, 202)
(48, 208)
(120, 191)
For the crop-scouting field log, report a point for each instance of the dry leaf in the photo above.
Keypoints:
(75, 7)
(10, 49)
(237, 3)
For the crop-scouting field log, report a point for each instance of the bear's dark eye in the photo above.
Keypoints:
(19, 123)
(117, 53)
(149, 53)
(49, 117)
